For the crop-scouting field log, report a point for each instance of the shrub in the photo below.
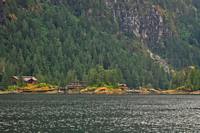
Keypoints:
(12, 88)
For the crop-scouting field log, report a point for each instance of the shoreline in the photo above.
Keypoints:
(143, 91)
(43, 88)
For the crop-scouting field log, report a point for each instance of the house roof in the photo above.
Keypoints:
(25, 78)
(15, 77)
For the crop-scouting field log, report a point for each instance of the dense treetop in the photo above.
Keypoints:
(60, 41)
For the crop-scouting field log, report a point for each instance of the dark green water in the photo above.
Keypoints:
(93, 114)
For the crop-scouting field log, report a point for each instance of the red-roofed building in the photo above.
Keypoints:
(24, 79)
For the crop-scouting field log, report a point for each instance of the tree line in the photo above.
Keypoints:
(79, 40)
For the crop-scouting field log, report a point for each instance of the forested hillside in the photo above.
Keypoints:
(59, 41)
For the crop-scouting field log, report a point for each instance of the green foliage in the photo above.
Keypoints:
(189, 78)
(12, 88)
(101, 84)
(43, 85)
(71, 76)
(63, 41)
(101, 77)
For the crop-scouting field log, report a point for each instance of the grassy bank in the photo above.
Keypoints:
(30, 88)
(97, 89)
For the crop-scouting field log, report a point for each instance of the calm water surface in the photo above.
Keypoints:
(93, 114)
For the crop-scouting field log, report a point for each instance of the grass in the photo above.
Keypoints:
(43, 85)
(12, 88)
(31, 87)
(107, 85)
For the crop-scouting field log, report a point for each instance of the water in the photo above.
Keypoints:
(93, 114)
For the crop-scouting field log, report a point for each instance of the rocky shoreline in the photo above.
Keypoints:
(178, 91)
(107, 91)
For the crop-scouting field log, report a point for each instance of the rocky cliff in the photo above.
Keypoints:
(146, 21)
(143, 20)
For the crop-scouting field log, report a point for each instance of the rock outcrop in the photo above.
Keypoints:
(144, 20)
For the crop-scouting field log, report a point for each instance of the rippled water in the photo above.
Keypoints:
(85, 113)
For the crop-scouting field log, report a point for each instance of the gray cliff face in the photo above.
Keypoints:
(140, 18)
(146, 21)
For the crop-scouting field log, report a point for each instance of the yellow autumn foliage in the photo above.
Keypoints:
(38, 87)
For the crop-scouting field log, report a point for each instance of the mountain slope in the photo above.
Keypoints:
(168, 28)
(59, 40)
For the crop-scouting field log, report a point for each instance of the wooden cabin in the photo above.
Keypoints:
(123, 86)
(23, 79)
(29, 79)
(14, 80)
(77, 85)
